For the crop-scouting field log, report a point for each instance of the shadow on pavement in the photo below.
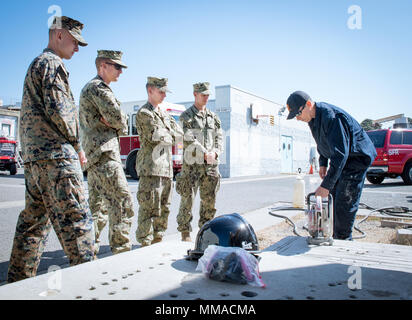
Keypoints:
(54, 258)
(16, 176)
(288, 247)
(384, 185)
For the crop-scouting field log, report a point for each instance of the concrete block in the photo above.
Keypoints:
(404, 236)
(395, 224)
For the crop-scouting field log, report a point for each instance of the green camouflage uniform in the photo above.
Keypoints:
(109, 194)
(157, 132)
(204, 128)
(55, 194)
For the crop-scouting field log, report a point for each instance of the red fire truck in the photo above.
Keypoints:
(130, 145)
(8, 155)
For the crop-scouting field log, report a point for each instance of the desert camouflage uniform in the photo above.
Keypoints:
(55, 195)
(157, 132)
(109, 194)
(205, 128)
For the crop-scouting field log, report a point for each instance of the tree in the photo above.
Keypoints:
(368, 124)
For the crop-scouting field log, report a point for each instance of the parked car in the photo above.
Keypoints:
(394, 159)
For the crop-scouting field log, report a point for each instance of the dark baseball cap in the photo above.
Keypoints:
(296, 100)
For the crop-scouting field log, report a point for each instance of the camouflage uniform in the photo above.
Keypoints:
(109, 194)
(55, 195)
(203, 128)
(157, 132)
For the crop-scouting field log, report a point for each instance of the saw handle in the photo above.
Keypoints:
(312, 194)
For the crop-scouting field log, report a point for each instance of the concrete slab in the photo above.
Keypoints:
(404, 236)
(395, 224)
(291, 269)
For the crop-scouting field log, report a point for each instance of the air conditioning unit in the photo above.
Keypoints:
(401, 123)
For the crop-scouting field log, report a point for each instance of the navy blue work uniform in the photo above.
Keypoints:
(341, 140)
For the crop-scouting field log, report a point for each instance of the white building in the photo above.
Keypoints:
(9, 122)
(258, 140)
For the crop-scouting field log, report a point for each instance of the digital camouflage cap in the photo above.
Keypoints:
(202, 87)
(114, 56)
(73, 26)
(160, 83)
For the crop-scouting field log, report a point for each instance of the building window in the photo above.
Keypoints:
(407, 137)
(396, 137)
(134, 129)
(5, 130)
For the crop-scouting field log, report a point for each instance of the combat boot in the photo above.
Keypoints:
(156, 240)
(144, 244)
(186, 236)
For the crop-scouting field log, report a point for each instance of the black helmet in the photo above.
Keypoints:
(228, 230)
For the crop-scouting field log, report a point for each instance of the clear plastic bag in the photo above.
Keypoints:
(230, 264)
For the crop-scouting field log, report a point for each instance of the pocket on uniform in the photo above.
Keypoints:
(66, 193)
(64, 168)
(216, 180)
(178, 182)
(184, 184)
(146, 192)
(210, 122)
(213, 171)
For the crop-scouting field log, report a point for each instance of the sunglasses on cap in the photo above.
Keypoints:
(117, 66)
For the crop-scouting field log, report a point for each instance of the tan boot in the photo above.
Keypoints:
(186, 236)
(156, 240)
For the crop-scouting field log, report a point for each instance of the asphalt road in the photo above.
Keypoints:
(236, 195)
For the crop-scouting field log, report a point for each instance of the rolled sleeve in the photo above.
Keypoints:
(109, 108)
(60, 107)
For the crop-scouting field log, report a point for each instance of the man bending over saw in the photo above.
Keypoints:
(343, 143)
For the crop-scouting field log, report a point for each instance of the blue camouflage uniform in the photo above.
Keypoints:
(341, 140)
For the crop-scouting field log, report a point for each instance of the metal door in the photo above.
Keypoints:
(286, 158)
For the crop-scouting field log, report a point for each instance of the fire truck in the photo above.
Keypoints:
(130, 145)
(8, 155)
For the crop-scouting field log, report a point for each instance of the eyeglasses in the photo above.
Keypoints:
(117, 66)
(300, 110)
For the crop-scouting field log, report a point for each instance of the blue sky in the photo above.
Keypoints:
(268, 47)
